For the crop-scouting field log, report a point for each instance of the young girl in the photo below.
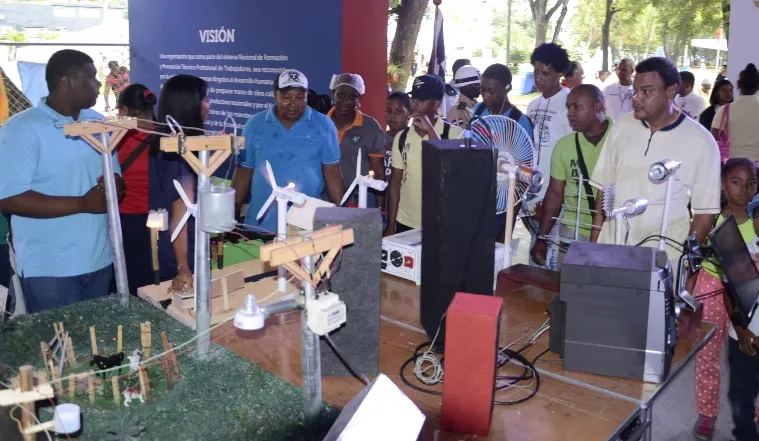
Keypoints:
(741, 355)
(397, 114)
(136, 101)
(739, 185)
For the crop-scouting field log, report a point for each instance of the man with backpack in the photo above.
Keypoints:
(405, 190)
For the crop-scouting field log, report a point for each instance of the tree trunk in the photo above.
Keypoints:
(610, 11)
(410, 15)
(542, 16)
(648, 40)
(560, 21)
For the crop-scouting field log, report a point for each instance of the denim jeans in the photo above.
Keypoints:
(742, 392)
(41, 293)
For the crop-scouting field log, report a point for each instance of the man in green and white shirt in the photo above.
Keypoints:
(586, 114)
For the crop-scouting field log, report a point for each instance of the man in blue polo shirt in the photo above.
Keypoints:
(300, 144)
(51, 186)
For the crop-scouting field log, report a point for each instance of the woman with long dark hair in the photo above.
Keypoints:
(136, 101)
(740, 128)
(185, 99)
(722, 94)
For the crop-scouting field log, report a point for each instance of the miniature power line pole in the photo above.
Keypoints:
(111, 134)
(204, 164)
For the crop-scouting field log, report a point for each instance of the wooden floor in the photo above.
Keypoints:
(561, 410)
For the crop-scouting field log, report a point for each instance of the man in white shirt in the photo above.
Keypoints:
(451, 97)
(657, 130)
(548, 113)
(687, 100)
(467, 83)
(602, 79)
(619, 95)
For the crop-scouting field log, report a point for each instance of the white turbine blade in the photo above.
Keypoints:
(181, 224)
(358, 165)
(182, 194)
(270, 172)
(265, 206)
(350, 190)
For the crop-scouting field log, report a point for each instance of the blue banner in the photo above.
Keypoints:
(238, 46)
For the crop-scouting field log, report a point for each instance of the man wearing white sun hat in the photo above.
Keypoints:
(467, 82)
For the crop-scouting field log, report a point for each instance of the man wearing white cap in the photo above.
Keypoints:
(467, 82)
(299, 143)
(356, 130)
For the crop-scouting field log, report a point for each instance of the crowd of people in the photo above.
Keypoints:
(52, 189)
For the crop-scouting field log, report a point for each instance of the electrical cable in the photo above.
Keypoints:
(345, 361)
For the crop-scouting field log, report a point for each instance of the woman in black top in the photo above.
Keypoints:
(722, 94)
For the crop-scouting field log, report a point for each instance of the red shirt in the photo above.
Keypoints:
(136, 176)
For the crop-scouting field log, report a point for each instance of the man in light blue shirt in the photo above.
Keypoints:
(300, 144)
(51, 186)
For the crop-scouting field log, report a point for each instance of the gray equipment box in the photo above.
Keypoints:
(619, 312)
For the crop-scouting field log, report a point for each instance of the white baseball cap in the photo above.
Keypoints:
(291, 78)
(465, 76)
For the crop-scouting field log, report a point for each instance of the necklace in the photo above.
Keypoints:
(542, 124)
(623, 96)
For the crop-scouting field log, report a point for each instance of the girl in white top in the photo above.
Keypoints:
(742, 117)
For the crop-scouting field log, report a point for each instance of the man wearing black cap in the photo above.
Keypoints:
(405, 191)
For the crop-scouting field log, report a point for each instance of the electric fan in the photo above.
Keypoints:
(515, 148)
(515, 166)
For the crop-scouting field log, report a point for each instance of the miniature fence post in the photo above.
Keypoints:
(144, 382)
(224, 293)
(57, 385)
(70, 352)
(45, 349)
(25, 374)
(72, 386)
(116, 392)
(146, 337)
(119, 343)
(93, 341)
(166, 360)
(91, 387)
(174, 359)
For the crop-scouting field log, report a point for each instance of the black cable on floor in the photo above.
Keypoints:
(345, 361)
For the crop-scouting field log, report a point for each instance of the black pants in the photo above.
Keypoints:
(139, 260)
(400, 228)
(742, 392)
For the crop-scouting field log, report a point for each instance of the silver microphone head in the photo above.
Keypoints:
(662, 170)
(636, 206)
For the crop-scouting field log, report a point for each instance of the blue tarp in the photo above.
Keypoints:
(528, 83)
(33, 82)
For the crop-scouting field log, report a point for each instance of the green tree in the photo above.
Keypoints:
(542, 13)
(409, 15)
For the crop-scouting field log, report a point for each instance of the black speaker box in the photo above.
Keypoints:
(357, 282)
(458, 227)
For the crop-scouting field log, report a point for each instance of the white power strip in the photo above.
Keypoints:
(402, 256)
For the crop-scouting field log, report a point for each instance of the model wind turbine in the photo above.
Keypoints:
(363, 183)
(284, 196)
(192, 210)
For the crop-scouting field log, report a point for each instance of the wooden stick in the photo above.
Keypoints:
(167, 371)
(45, 349)
(57, 385)
(224, 293)
(25, 374)
(146, 337)
(70, 352)
(116, 392)
(144, 382)
(93, 341)
(91, 387)
(174, 359)
(72, 386)
(119, 340)
(60, 327)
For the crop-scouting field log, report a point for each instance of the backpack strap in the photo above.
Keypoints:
(446, 130)
(402, 140)
(584, 170)
(515, 114)
(136, 153)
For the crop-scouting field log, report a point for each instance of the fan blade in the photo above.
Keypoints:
(270, 172)
(265, 206)
(358, 165)
(180, 225)
(182, 194)
(349, 191)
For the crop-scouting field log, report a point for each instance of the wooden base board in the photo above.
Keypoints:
(264, 289)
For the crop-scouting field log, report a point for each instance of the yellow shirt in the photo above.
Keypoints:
(410, 164)
(625, 159)
(747, 232)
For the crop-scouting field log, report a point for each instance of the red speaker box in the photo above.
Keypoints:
(471, 346)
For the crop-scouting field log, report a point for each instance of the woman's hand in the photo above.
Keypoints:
(182, 283)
